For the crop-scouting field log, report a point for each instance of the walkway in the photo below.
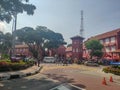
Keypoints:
(18, 74)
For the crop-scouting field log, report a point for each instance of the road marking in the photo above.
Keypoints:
(66, 86)
(77, 87)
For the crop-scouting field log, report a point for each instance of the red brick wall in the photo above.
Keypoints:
(118, 40)
(77, 51)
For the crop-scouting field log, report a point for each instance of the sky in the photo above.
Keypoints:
(64, 16)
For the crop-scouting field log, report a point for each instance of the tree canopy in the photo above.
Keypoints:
(41, 37)
(8, 8)
(95, 47)
(5, 42)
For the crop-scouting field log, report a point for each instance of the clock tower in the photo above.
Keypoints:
(77, 47)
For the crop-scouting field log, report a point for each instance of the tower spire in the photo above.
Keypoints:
(81, 26)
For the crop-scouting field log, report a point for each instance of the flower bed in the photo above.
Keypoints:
(112, 69)
(7, 65)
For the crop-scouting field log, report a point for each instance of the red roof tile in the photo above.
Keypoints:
(68, 49)
(107, 34)
(21, 46)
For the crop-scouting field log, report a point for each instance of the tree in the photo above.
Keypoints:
(10, 8)
(39, 39)
(5, 43)
(69, 45)
(95, 48)
(51, 39)
(28, 35)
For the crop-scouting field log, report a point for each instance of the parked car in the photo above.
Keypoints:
(49, 60)
(115, 63)
(91, 63)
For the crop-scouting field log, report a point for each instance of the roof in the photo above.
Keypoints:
(77, 37)
(21, 46)
(68, 49)
(61, 46)
(107, 34)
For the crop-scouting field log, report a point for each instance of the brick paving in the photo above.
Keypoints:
(86, 77)
(82, 76)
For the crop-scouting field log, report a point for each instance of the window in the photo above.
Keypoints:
(112, 39)
(73, 50)
(76, 49)
(107, 40)
(107, 49)
(24, 49)
(101, 41)
(113, 48)
(21, 49)
(80, 50)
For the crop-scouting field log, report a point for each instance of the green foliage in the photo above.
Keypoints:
(95, 48)
(94, 45)
(97, 53)
(7, 65)
(9, 8)
(5, 42)
(51, 39)
(5, 56)
(69, 45)
(114, 69)
(39, 39)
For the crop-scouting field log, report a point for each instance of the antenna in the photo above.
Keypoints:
(81, 26)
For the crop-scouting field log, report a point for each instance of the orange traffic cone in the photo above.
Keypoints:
(111, 79)
(104, 81)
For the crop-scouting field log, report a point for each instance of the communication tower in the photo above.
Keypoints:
(81, 26)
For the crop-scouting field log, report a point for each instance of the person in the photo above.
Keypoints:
(38, 62)
(65, 62)
(35, 62)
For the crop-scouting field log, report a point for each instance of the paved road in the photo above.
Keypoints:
(89, 78)
(52, 75)
(35, 82)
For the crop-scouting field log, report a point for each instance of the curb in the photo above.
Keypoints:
(17, 75)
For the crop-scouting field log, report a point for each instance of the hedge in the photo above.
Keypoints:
(112, 69)
(6, 65)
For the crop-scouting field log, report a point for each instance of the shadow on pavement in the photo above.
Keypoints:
(27, 84)
(64, 79)
(60, 78)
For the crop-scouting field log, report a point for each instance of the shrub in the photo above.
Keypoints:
(5, 56)
(7, 65)
(113, 69)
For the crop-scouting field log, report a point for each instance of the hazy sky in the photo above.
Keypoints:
(63, 16)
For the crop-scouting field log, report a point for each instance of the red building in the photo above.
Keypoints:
(111, 42)
(68, 52)
(61, 51)
(77, 47)
(22, 49)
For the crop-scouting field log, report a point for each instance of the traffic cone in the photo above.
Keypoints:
(104, 81)
(111, 79)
